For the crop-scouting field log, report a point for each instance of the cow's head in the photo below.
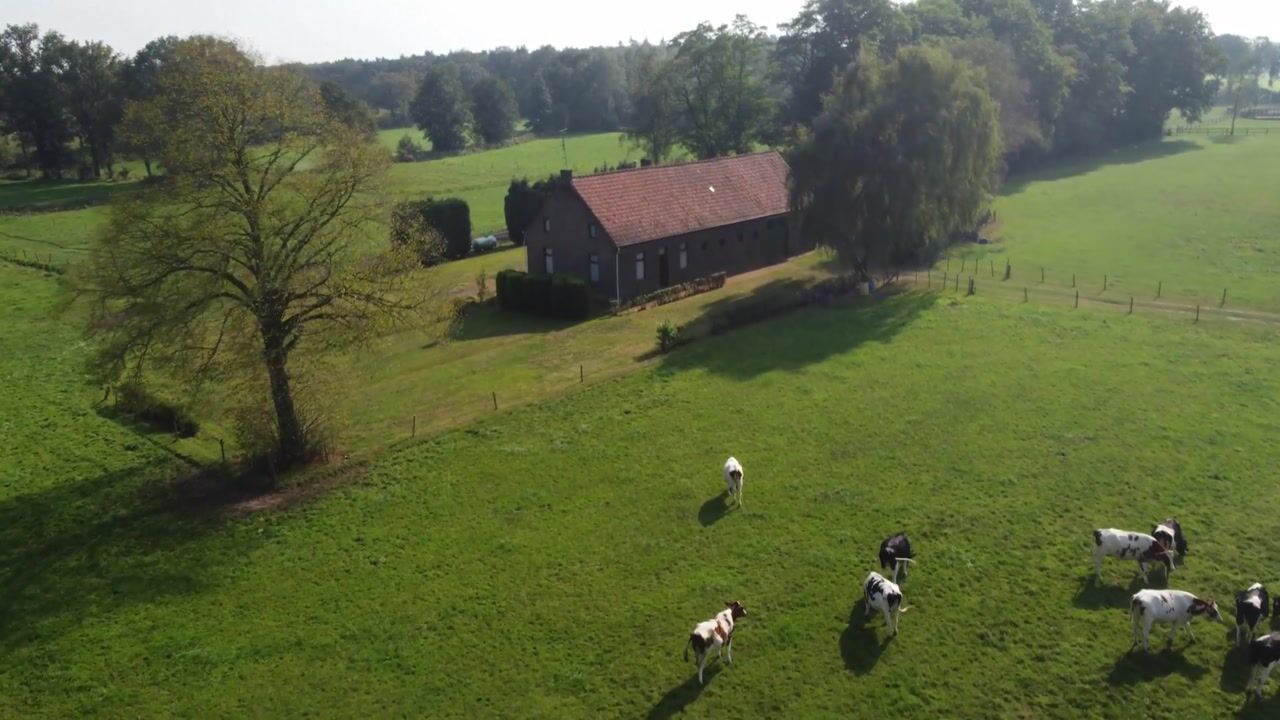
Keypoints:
(735, 609)
(1208, 608)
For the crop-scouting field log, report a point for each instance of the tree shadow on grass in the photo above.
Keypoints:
(1235, 667)
(715, 509)
(84, 549)
(679, 697)
(1137, 666)
(860, 646)
(1097, 594)
(1060, 169)
(799, 338)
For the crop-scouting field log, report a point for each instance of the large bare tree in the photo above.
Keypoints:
(248, 250)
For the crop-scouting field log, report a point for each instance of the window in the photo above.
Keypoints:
(592, 230)
(547, 261)
(640, 266)
(546, 225)
(593, 263)
(684, 255)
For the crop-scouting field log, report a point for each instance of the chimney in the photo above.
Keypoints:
(566, 175)
(645, 162)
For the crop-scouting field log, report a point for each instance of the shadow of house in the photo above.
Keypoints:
(81, 550)
(1138, 666)
(798, 338)
(679, 697)
(1060, 169)
(860, 644)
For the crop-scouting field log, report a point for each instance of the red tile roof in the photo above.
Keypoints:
(635, 206)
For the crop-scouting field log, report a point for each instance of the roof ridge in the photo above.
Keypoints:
(721, 158)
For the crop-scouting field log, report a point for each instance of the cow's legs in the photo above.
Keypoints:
(728, 649)
(702, 663)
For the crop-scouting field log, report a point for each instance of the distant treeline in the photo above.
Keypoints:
(1068, 76)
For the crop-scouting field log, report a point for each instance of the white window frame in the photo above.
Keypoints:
(639, 266)
(548, 261)
(684, 255)
(593, 230)
(593, 268)
(546, 224)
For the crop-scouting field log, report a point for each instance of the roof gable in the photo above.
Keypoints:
(636, 206)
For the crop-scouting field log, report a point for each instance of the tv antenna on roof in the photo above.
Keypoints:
(564, 148)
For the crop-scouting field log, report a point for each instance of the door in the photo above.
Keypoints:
(664, 269)
(776, 241)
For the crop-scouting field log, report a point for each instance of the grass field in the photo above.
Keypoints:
(1193, 214)
(549, 562)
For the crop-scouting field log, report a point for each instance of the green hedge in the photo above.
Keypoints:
(552, 295)
(450, 217)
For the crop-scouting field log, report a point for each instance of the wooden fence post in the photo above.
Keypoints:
(993, 268)
(413, 432)
(1224, 298)
(928, 275)
(222, 446)
(962, 262)
(495, 401)
(1159, 289)
(957, 282)
(1130, 304)
(1025, 297)
(582, 375)
(1041, 274)
(1197, 313)
(948, 265)
(1073, 279)
(1104, 282)
(1077, 298)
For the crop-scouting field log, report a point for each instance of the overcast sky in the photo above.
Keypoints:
(316, 30)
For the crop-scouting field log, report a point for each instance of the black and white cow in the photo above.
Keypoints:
(1171, 607)
(714, 634)
(1169, 533)
(733, 477)
(1124, 544)
(1264, 654)
(882, 594)
(1252, 606)
(895, 553)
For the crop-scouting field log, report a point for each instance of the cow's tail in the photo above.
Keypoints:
(688, 643)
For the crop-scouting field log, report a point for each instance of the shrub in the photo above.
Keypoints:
(507, 284)
(570, 297)
(409, 150)
(449, 219)
(482, 286)
(137, 402)
(668, 336)
(123, 173)
(677, 292)
(536, 294)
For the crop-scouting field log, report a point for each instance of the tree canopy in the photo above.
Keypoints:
(241, 262)
(442, 109)
(903, 154)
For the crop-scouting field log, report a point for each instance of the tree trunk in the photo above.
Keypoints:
(146, 161)
(292, 441)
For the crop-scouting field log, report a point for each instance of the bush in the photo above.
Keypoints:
(570, 297)
(523, 203)
(409, 150)
(555, 295)
(507, 284)
(450, 218)
(668, 336)
(137, 402)
(536, 294)
(677, 292)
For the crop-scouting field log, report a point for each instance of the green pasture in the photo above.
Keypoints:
(549, 561)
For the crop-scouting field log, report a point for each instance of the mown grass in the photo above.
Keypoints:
(549, 562)
(1186, 217)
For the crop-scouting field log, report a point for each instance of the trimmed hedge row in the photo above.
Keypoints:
(746, 312)
(553, 295)
(676, 292)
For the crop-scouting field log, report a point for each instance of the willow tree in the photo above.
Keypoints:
(903, 153)
(246, 253)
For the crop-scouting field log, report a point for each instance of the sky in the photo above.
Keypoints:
(319, 30)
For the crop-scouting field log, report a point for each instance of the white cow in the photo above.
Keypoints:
(714, 634)
(733, 479)
(1125, 544)
(1171, 607)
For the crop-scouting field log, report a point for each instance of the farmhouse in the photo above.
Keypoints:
(631, 232)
